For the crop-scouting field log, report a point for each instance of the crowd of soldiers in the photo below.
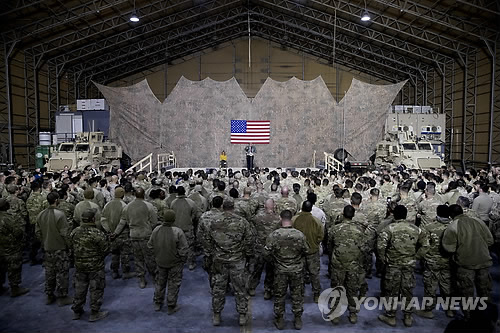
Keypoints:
(442, 223)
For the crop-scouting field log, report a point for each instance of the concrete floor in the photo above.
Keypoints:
(131, 309)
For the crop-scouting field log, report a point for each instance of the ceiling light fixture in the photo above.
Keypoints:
(365, 16)
(134, 17)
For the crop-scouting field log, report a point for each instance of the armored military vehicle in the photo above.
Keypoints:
(88, 148)
(402, 149)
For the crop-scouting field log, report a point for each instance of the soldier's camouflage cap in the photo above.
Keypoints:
(89, 214)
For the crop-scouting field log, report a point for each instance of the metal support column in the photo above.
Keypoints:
(494, 128)
(447, 105)
(6, 133)
(469, 64)
(31, 104)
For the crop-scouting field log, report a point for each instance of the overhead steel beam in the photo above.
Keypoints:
(356, 29)
(99, 29)
(129, 39)
(383, 22)
(444, 19)
(50, 22)
(6, 129)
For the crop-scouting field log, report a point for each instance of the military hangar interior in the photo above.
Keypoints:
(444, 53)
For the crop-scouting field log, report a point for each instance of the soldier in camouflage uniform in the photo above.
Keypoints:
(120, 245)
(287, 248)
(85, 205)
(296, 195)
(397, 248)
(231, 242)
(35, 204)
(11, 250)
(348, 244)
(409, 202)
(53, 231)
(437, 270)
(17, 206)
(285, 202)
(170, 248)
(90, 247)
(206, 220)
(370, 235)
(67, 208)
(244, 207)
(265, 223)
(427, 207)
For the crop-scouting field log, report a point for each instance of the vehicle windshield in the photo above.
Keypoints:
(82, 147)
(424, 146)
(409, 146)
(66, 147)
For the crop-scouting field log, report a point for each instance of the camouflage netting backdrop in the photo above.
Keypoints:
(194, 120)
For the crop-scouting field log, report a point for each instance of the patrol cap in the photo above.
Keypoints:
(11, 188)
(140, 177)
(89, 214)
(119, 192)
(169, 215)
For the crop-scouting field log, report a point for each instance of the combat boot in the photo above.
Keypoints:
(353, 317)
(267, 295)
(316, 298)
(251, 292)
(216, 319)
(391, 321)
(279, 322)
(192, 266)
(77, 315)
(116, 275)
(142, 282)
(172, 309)
(157, 307)
(62, 301)
(98, 315)
(297, 322)
(408, 320)
(425, 314)
(335, 320)
(243, 319)
(18, 291)
(50, 299)
(450, 314)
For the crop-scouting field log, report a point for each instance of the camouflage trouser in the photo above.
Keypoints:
(207, 266)
(96, 282)
(283, 280)
(11, 265)
(144, 257)
(56, 272)
(223, 272)
(311, 267)
(349, 280)
(120, 252)
(259, 263)
(467, 279)
(399, 281)
(172, 276)
(34, 243)
(191, 257)
(434, 277)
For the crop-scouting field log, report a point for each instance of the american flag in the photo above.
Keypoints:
(250, 131)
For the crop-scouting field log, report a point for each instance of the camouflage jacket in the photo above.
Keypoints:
(206, 220)
(398, 242)
(17, 208)
(265, 223)
(35, 204)
(287, 247)
(230, 238)
(68, 209)
(411, 206)
(286, 203)
(427, 209)
(160, 206)
(90, 247)
(244, 208)
(186, 212)
(81, 207)
(374, 211)
(11, 235)
(347, 242)
(436, 256)
(334, 209)
(52, 229)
